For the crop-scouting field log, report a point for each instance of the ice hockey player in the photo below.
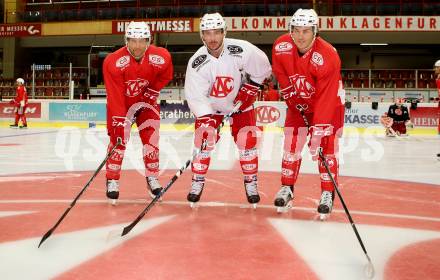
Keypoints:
(20, 102)
(308, 71)
(213, 84)
(133, 76)
(396, 119)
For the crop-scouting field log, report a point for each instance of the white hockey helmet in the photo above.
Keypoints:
(437, 63)
(212, 21)
(304, 17)
(137, 30)
(20, 81)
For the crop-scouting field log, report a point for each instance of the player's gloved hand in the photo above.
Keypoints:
(12, 102)
(409, 124)
(247, 95)
(319, 136)
(206, 130)
(150, 96)
(289, 95)
(120, 129)
(386, 121)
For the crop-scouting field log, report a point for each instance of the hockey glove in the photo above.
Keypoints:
(319, 135)
(247, 95)
(288, 95)
(121, 127)
(150, 96)
(206, 130)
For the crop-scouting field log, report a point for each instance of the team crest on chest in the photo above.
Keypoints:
(302, 87)
(222, 86)
(135, 87)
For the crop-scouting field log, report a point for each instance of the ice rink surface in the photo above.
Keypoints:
(390, 185)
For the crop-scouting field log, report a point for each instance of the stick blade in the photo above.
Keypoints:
(112, 235)
(127, 229)
(369, 270)
(45, 236)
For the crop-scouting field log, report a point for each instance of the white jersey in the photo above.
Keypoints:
(211, 84)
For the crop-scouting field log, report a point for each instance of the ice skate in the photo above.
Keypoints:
(284, 198)
(113, 191)
(23, 126)
(252, 195)
(13, 125)
(195, 193)
(154, 187)
(325, 205)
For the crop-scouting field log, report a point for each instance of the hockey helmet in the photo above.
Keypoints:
(20, 81)
(304, 17)
(137, 30)
(437, 63)
(212, 21)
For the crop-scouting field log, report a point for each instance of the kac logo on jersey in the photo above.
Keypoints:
(222, 87)
(302, 87)
(156, 59)
(283, 47)
(317, 59)
(267, 114)
(135, 87)
(123, 61)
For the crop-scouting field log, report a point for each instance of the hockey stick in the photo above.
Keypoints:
(109, 154)
(369, 270)
(179, 172)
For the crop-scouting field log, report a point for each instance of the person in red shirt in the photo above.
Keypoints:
(20, 102)
(269, 93)
(133, 77)
(308, 70)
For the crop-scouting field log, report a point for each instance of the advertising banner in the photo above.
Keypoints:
(176, 112)
(340, 23)
(270, 113)
(425, 116)
(20, 30)
(33, 110)
(157, 25)
(77, 111)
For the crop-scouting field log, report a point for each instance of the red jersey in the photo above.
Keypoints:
(315, 76)
(271, 95)
(21, 95)
(127, 79)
